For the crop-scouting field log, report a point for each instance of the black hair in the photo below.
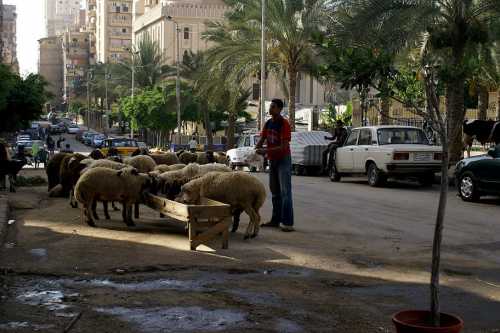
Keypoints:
(278, 102)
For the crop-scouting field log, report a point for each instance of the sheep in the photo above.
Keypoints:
(164, 167)
(69, 173)
(187, 157)
(96, 154)
(11, 168)
(202, 158)
(142, 163)
(238, 189)
(167, 158)
(220, 158)
(53, 168)
(103, 184)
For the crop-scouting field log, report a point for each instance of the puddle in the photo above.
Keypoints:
(41, 253)
(288, 326)
(177, 319)
(159, 284)
(52, 300)
(14, 325)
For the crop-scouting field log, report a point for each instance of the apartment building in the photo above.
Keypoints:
(50, 66)
(75, 46)
(61, 15)
(113, 30)
(8, 37)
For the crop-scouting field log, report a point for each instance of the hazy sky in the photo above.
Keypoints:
(30, 28)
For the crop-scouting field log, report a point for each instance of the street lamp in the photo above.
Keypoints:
(133, 85)
(177, 80)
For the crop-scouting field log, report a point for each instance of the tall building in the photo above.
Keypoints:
(50, 66)
(157, 18)
(75, 46)
(113, 30)
(8, 37)
(60, 15)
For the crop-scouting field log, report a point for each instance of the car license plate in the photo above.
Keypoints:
(422, 157)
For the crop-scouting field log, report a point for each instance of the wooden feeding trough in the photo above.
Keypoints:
(205, 221)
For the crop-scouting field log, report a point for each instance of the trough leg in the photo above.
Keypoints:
(225, 234)
(192, 234)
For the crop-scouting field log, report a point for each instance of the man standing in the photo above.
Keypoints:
(338, 137)
(276, 133)
(193, 144)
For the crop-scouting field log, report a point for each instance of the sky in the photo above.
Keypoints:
(30, 28)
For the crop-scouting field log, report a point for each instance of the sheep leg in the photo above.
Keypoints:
(130, 221)
(94, 207)
(136, 210)
(256, 226)
(114, 206)
(236, 219)
(87, 212)
(254, 218)
(105, 208)
(72, 202)
(124, 213)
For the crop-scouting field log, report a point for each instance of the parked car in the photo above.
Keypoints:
(124, 146)
(89, 138)
(57, 129)
(479, 175)
(86, 135)
(73, 129)
(381, 152)
(244, 153)
(97, 140)
(307, 151)
(142, 145)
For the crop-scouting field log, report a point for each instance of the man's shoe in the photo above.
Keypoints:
(287, 228)
(270, 224)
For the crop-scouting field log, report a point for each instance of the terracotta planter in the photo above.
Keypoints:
(414, 321)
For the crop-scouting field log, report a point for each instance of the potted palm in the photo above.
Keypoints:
(419, 321)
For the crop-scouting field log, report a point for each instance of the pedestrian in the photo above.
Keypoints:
(277, 135)
(193, 144)
(50, 145)
(339, 135)
(67, 149)
(59, 141)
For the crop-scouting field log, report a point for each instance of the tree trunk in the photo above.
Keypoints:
(438, 236)
(292, 87)
(385, 118)
(455, 113)
(483, 103)
(208, 127)
(498, 104)
(231, 121)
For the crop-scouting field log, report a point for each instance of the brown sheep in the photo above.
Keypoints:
(53, 169)
(165, 158)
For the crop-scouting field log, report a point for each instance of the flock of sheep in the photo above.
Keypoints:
(185, 177)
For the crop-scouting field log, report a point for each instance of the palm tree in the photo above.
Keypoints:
(289, 28)
(450, 26)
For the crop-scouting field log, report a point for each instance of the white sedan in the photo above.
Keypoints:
(387, 151)
(73, 129)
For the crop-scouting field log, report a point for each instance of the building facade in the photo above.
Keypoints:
(113, 30)
(159, 18)
(50, 66)
(75, 46)
(61, 15)
(8, 37)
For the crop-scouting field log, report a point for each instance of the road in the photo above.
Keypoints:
(359, 255)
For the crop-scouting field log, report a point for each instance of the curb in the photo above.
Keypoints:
(4, 216)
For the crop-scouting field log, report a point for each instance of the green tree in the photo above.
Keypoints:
(447, 27)
(289, 28)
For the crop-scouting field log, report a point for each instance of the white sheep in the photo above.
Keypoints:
(165, 167)
(143, 163)
(103, 184)
(242, 191)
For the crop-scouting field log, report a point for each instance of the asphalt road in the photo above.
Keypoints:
(348, 234)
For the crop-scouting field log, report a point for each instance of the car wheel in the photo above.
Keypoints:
(333, 173)
(467, 187)
(375, 177)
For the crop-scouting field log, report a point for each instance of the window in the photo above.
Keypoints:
(352, 139)
(365, 137)
(124, 30)
(186, 33)
(387, 136)
(117, 9)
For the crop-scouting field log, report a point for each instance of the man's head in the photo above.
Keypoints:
(276, 107)
(339, 123)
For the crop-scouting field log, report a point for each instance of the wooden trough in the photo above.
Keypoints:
(205, 221)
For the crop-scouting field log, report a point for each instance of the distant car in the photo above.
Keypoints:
(89, 138)
(97, 140)
(23, 137)
(85, 135)
(381, 152)
(124, 146)
(244, 154)
(479, 175)
(28, 145)
(73, 129)
(142, 145)
(56, 129)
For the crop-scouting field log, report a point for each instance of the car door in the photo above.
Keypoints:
(361, 150)
(345, 154)
(488, 173)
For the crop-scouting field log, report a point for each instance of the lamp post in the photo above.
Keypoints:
(132, 54)
(263, 68)
(177, 80)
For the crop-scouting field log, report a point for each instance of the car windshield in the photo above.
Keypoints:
(394, 136)
(124, 143)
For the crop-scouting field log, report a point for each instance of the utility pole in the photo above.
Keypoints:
(178, 86)
(106, 94)
(133, 88)
(263, 68)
